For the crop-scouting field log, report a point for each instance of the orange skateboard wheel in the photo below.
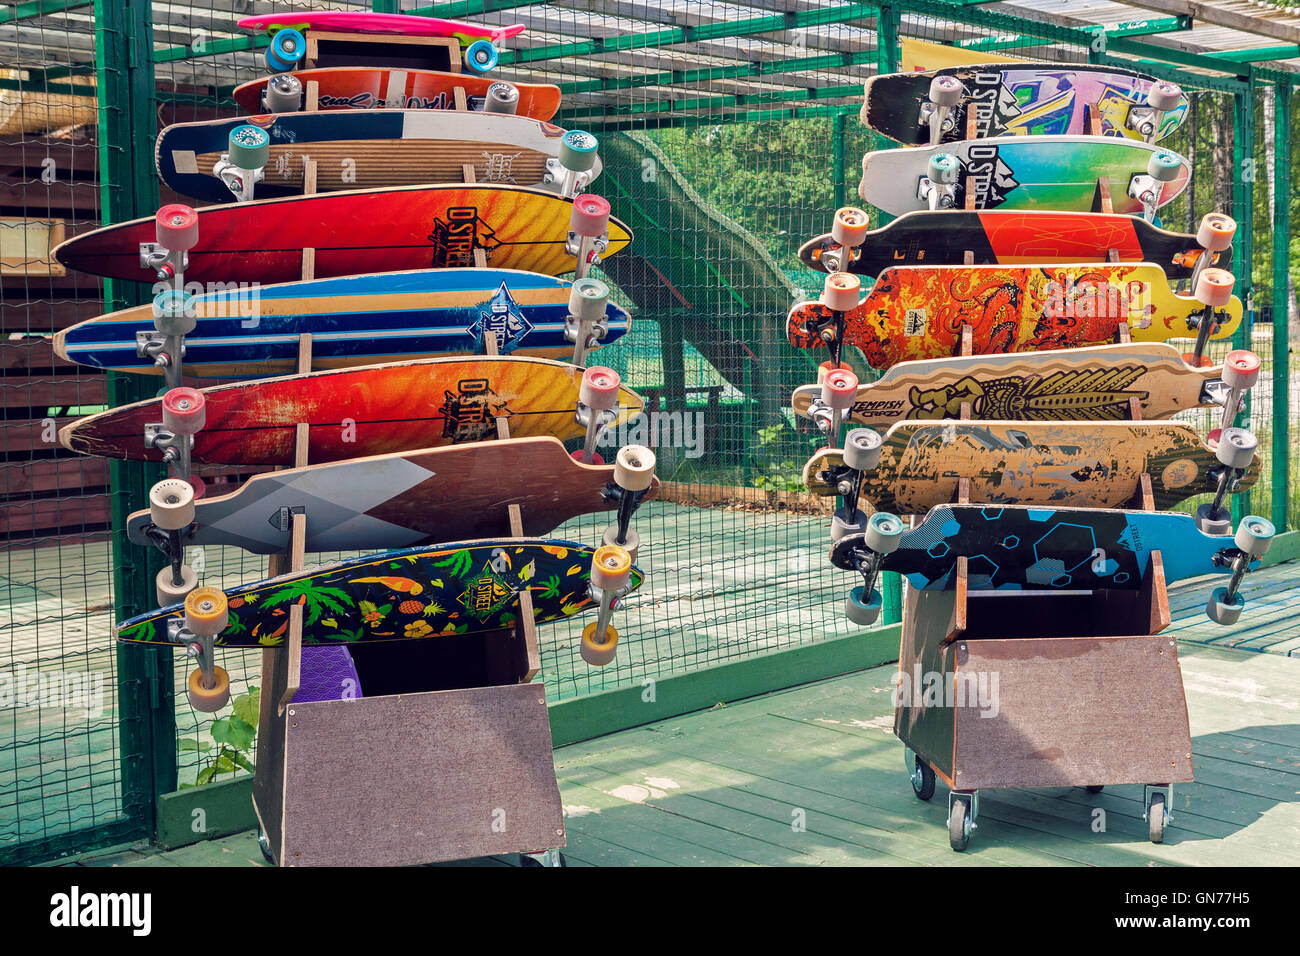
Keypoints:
(596, 652)
(827, 367)
(840, 291)
(1214, 287)
(1216, 231)
(208, 700)
(610, 567)
(206, 611)
(1194, 362)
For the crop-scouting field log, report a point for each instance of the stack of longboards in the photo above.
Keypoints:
(1020, 312)
(379, 271)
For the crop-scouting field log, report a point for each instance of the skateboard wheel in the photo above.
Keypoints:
(249, 147)
(208, 700)
(1214, 287)
(1164, 166)
(501, 98)
(840, 291)
(943, 168)
(946, 91)
(177, 227)
(588, 298)
(1222, 611)
(596, 459)
(167, 592)
(1202, 362)
(844, 524)
(288, 46)
(481, 57)
(1164, 95)
(1241, 369)
(611, 566)
(596, 652)
(1254, 535)
(578, 150)
(1210, 522)
(283, 94)
(884, 532)
(599, 388)
(1236, 448)
(850, 226)
(634, 468)
(861, 609)
(590, 216)
(174, 312)
(632, 544)
(862, 449)
(1216, 231)
(840, 389)
(171, 504)
(206, 612)
(827, 367)
(184, 411)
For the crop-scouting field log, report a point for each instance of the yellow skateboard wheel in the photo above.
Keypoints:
(598, 653)
(610, 567)
(209, 700)
(206, 611)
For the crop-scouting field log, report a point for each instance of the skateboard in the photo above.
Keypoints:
(917, 312)
(373, 410)
(1063, 464)
(1060, 173)
(456, 492)
(1022, 99)
(361, 149)
(383, 230)
(1038, 237)
(1096, 383)
(356, 320)
(448, 590)
(368, 88)
(356, 21)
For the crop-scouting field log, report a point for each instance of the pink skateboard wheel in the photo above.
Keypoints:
(599, 388)
(1241, 369)
(827, 367)
(184, 411)
(177, 227)
(595, 458)
(840, 389)
(590, 216)
(840, 291)
(1214, 287)
(199, 486)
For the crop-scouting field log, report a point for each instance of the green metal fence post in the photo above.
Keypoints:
(1281, 423)
(840, 191)
(1243, 205)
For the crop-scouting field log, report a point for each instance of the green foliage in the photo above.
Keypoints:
(776, 472)
(233, 734)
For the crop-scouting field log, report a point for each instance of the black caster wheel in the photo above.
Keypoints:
(959, 825)
(922, 779)
(1156, 818)
(556, 859)
(264, 845)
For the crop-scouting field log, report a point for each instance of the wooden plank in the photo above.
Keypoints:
(21, 311)
(17, 439)
(69, 475)
(47, 391)
(54, 514)
(31, 353)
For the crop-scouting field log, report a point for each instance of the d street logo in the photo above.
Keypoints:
(502, 320)
(456, 236)
(470, 412)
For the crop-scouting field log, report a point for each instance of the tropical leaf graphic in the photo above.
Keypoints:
(458, 564)
(551, 587)
(571, 609)
(574, 569)
(527, 571)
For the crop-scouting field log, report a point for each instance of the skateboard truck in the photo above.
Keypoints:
(205, 615)
(879, 538)
(597, 407)
(938, 111)
(849, 230)
(171, 514)
(611, 569)
(828, 411)
(840, 296)
(1146, 188)
(938, 187)
(634, 470)
(862, 447)
(1214, 289)
(587, 322)
(184, 412)
(1214, 236)
(588, 232)
(1252, 539)
(571, 169)
(177, 231)
(1161, 98)
(173, 319)
(1240, 373)
(283, 94)
(1235, 451)
(243, 165)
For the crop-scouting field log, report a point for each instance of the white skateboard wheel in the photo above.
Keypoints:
(1222, 611)
(827, 367)
(844, 524)
(577, 150)
(1214, 287)
(599, 388)
(206, 612)
(850, 226)
(177, 227)
(283, 94)
(1241, 369)
(171, 504)
(862, 449)
(1208, 522)
(208, 700)
(631, 544)
(588, 299)
(184, 411)
(249, 147)
(1254, 535)
(1216, 231)
(840, 389)
(174, 312)
(861, 608)
(946, 91)
(1236, 448)
(634, 468)
(169, 593)
(1164, 95)
(943, 169)
(1164, 166)
(599, 652)
(501, 98)
(590, 216)
(840, 291)
(884, 532)
(611, 566)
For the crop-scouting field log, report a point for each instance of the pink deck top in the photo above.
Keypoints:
(358, 22)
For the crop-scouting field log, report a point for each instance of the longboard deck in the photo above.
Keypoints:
(353, 233)
(369, 88)
(358, 21)
(383, 502)
(373, 410)
(450, 590)
(917, 312)
(1020, 172)
(1034, 99)
(1063, 464)
(1006, 237)
(1018, 547)
(1094, 383)
(357, 320)
(365, 149)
